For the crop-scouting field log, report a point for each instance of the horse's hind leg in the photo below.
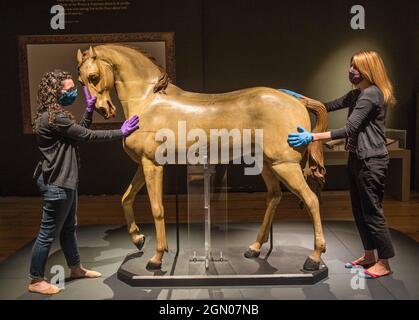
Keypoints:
(154, 179)
(273, 197)
(127, 202)
(292, 176)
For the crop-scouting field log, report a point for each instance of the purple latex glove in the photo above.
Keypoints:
(130, 125)
(90, 100)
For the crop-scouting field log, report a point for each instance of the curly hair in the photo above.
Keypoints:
(49, 91)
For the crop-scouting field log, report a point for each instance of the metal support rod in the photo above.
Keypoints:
(207, 211)
(177, 211)
(272, 237)
(271, 240)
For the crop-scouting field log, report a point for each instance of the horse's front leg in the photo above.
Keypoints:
(127, 202)
(154, 180)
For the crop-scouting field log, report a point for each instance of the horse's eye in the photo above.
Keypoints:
(94, 79)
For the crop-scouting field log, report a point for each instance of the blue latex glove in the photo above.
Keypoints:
(294, 94)
(130, 125)
(90, 100)
(300, 139)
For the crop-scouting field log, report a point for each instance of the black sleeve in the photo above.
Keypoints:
(86, 121)
(360, 113)
(345, 101)
(68, 128)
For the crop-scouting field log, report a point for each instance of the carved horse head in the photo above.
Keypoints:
(97, 74)
(103, 67)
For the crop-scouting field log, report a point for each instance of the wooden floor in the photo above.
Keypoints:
(20, 217)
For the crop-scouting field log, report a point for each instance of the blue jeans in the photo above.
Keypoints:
(58, 218)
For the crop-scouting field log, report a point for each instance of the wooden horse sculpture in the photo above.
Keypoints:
(145, 90)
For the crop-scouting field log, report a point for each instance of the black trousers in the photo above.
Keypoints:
(367, 181)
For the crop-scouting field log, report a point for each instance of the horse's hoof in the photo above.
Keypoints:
(311, 265)
(251, 253)
(140, 243)
(153, 265)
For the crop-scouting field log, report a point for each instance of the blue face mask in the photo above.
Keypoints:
(68, 97)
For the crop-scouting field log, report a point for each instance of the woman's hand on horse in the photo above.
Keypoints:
(90, 100)
(130, 125)
(301, 138)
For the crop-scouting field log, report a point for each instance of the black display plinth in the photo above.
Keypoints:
(281, 267)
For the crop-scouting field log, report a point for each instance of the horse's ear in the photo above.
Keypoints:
(92, 52)
(79, 57)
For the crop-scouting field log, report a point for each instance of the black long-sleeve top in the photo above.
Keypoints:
(58, 146)
(365, 125)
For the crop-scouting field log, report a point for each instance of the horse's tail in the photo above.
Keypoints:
(313, 161)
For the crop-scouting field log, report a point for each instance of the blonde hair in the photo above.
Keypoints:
(371, 66)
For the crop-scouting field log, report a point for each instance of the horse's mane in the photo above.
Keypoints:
(142, 51)
(164, 79)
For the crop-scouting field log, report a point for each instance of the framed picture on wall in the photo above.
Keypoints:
(39, 54)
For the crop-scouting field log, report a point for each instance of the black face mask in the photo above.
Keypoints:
(355, 77)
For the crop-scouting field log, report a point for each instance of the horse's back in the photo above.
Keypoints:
(270, 110)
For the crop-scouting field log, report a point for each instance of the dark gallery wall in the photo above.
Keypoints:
(106, 168)
(306, 46)
(221, 46)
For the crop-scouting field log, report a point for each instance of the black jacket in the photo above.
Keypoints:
(365, 123)
(58, 146)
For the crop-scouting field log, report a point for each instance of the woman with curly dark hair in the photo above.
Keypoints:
(57, 173)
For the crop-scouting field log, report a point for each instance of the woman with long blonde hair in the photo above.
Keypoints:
(368, 156)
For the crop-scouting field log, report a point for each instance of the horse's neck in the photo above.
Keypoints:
(133, 95)
(135, 78)
(141, 98)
